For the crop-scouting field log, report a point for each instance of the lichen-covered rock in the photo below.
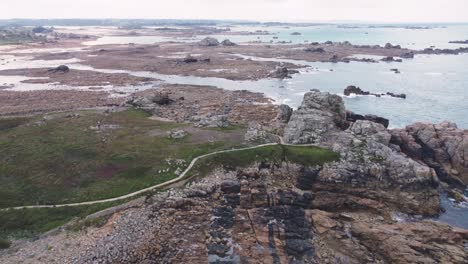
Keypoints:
(320, 114)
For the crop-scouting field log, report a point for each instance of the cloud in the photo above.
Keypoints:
(271, 10)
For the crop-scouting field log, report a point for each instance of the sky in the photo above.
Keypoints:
(258, 10)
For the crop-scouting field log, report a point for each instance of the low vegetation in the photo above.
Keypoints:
(68, 158)
(32, 222)
(86, 156)
(308, 156)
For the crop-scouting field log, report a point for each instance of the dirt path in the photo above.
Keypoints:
(164, 184)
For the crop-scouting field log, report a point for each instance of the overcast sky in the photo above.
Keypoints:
(262, 10)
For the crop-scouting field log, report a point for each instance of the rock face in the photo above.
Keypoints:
(209, 42)
(443, 147)
(319, 114)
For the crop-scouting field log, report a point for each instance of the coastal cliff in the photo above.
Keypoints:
(346, 208)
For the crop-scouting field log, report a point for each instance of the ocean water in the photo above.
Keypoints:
(436, 35)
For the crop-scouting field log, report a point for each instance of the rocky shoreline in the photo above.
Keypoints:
(279, 211)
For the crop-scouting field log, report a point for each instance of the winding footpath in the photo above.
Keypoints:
(161, 185)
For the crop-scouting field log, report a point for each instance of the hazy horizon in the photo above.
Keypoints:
(358, 11)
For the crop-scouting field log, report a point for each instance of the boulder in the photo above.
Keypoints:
(60, 69)
(284, 113)
(209, 42)
(227, 42)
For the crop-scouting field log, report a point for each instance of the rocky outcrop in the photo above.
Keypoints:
(227, 42)
(319, 114)
(358, 91)
(282, 73)
(444, 51)
(390, 46)
(368, 162)
(209, 42)
(459, 42)
(443, 147)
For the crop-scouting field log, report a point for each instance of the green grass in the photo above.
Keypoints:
(307, 156)
(4, 243)
(63, 160)
(32, 222)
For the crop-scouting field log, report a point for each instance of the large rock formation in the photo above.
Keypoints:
(444, 147)
(320, 114)
(369, 168)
